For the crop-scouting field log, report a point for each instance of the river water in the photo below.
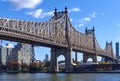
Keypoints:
(59, 77)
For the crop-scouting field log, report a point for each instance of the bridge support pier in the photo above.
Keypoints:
(53, 61)
(66, 52)
(68, 62)
(86, 56)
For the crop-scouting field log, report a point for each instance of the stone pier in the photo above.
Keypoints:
(86, 56)
(66, 52)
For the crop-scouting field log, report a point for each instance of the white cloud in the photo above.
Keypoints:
(39, 13)
(118, 24)
(102, 13)
(50, 13)
(118, 38)
(80, 25)
(20, 4)
(85, 20)
(36, 14)
(74, 10)
(93, 15)
(71, 19)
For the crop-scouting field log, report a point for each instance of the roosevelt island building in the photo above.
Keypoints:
(21, 53)
(5, 53)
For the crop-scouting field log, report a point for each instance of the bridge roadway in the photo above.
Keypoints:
(19, 36)
(57, 32)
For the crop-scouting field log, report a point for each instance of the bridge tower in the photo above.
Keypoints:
(66, 52)
(110, 53)
(91, 33)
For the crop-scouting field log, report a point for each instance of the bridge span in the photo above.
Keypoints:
(58, 34)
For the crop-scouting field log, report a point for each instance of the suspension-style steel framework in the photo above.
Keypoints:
(56, 32)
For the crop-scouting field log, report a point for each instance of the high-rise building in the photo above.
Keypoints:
(22, 53)
(117, 50)
(46, 58)
(5, 54)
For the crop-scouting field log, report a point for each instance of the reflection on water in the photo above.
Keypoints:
(59, 77)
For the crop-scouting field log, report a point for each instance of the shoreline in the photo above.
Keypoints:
(61, 72)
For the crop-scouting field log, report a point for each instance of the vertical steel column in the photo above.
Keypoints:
(66, 28)
(94, 46)
(68, 57)
(55, 15)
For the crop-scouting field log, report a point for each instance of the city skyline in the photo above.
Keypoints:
(103, 15)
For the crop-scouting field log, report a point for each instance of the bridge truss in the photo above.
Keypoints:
(56, 32)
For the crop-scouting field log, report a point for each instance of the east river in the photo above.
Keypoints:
(60, 77)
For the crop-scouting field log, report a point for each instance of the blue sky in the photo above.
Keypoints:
(104, 15)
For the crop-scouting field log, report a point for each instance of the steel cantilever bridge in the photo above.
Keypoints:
(58, 34)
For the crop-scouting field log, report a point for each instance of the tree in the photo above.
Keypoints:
(47, 65)
(13, 65)
(24, 66)
(36, 66)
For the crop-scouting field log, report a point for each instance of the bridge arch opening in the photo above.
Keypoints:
(89, 60)
(61, 62)
(77, 57)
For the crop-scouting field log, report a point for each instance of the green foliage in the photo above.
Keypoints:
(3, 67)
(36, 66)
(13, 65)
(24, 66)
(47, 64)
